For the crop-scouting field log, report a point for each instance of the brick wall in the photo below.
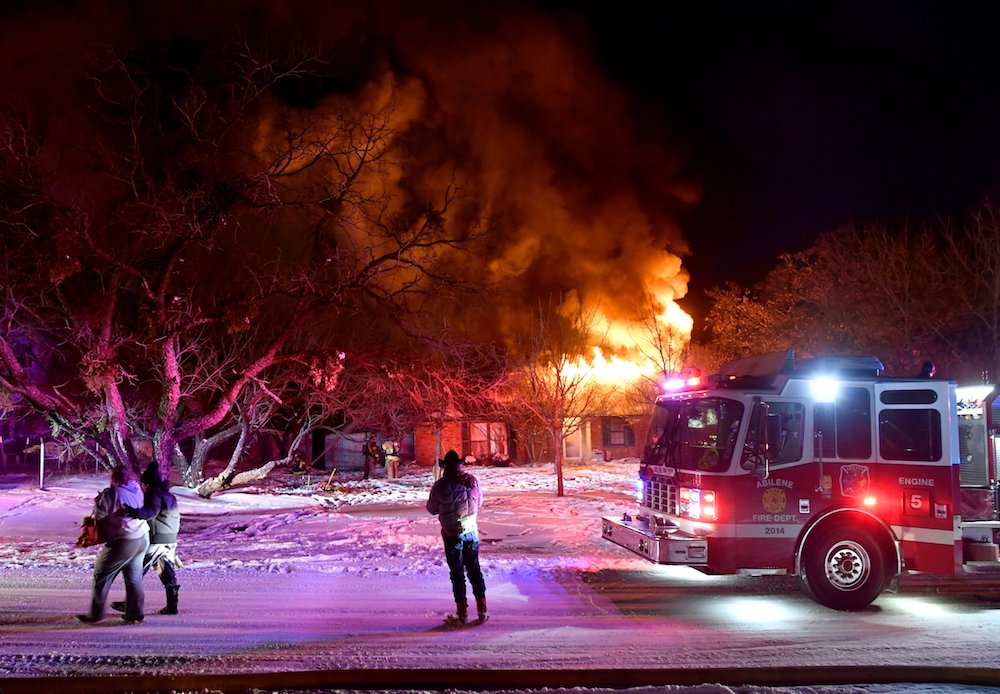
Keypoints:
(424, 441)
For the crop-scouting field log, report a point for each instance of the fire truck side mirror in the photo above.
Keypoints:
(768, 445)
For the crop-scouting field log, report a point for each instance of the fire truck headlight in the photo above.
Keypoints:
(869, 501)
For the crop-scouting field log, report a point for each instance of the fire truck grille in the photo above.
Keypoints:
(660, 496)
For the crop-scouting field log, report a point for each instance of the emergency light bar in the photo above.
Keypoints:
(679, 383)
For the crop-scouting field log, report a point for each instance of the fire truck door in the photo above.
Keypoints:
(769, 515)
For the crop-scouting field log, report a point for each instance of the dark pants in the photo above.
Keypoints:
(119, 557)
(462, 554)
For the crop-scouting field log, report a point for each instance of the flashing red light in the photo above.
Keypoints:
(708, 506)
(869, 501)
(698, 504)
(679, 383)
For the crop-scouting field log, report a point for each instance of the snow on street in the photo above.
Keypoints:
(288, 577)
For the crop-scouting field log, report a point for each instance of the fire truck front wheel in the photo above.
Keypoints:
(844, 568)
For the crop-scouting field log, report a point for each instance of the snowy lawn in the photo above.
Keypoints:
(295, 576)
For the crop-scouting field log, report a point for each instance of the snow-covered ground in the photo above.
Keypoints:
(323, 574)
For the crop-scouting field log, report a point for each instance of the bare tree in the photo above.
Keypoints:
(454, 379)
(553, 383)
(871, 289)
(970, 260)
(662, 345)
(197, 257)
(740, 322)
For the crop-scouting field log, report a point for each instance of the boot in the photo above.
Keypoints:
(119, 605)
(481, 609)
(171, 607)
(461, 615)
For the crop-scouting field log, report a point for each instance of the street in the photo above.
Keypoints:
(355, 581)
(258, 621)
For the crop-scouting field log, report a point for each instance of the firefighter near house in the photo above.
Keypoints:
(823, 468)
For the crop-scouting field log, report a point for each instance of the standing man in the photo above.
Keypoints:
(160, 509)
(456, 499)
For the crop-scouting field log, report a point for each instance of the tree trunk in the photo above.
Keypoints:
(437, 450)
(216, 484)
(557, 437)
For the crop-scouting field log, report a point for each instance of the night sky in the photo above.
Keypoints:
(803, 117)
(735, 131)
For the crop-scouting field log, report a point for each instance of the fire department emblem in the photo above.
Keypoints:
(854, 480)
(774, 500)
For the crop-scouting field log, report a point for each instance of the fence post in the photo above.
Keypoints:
(41, 463)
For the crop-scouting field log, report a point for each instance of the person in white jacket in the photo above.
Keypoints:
(456, 499)
(126, 540)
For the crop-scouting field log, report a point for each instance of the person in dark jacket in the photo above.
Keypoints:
(372, 455)
(160, 509)
(456, 499)
(125, 545)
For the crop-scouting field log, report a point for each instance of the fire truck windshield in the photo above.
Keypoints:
(694, 433)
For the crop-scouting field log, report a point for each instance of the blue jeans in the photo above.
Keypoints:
(462, 554)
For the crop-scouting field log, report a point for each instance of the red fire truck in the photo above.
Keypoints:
(823, 468)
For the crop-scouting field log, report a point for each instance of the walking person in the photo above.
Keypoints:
(456, 499)
(160, 509)
(125, 545)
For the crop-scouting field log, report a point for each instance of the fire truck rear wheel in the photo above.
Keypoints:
(844, 568)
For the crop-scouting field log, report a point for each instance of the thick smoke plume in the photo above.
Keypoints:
(510, 97)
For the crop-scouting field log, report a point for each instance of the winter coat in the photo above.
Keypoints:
(456, 502)
(109, 511)
(160, 509)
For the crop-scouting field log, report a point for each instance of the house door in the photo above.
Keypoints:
(576, 446)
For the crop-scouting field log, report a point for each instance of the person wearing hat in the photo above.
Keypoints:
(160, 509)
(456, 499)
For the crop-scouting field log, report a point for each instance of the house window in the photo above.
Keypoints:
(487, 439)
(615, 431)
